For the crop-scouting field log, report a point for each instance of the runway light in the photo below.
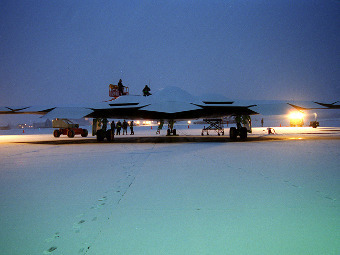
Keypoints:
(189, 122)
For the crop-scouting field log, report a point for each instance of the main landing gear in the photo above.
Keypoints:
(99, 129)
(242, 133)
(102, 134)
(243, 127)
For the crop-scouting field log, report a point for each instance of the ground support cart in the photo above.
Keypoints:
(214, 125)
(67, 127)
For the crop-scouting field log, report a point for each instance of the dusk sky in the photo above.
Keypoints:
(67, 52)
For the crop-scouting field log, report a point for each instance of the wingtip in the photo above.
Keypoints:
(299, 108)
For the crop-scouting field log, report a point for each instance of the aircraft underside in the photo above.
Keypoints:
(139, 113)
(243, 127)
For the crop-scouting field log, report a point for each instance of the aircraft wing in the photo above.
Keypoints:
(276, 107)
(170, 103)
(51, 113)
(68, 113)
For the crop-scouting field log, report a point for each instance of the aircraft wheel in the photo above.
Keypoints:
(85, 133)
(70, 133)
(174, 132)
(243, 133)
(233, 133)
(168, 132)
(56, 133)
(100, 135)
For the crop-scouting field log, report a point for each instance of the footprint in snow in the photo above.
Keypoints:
(50, 250)
(56, 235)
(102, 199)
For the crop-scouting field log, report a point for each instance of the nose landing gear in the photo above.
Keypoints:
(171, 130)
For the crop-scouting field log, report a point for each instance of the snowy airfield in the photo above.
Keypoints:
(274, 194)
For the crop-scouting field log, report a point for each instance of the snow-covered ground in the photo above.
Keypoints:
(277, 197)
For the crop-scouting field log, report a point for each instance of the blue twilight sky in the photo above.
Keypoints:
(59, 52)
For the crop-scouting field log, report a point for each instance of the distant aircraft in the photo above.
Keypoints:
(169, 105)
(328, 106)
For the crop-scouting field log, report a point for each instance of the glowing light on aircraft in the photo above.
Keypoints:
(296, 115)
(296, 119)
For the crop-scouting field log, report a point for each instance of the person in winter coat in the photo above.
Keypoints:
(125, 126)
(146, 91)
(118, 127)
(104, 127)
(120, 87)
(113, 127)
(131, 128)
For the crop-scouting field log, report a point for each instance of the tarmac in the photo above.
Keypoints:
(258, 135)
(186, 139)
(188, 194)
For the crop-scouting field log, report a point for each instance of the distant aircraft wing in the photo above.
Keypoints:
(325, 106)
(330, 106)
(26, 110)
(299, 108)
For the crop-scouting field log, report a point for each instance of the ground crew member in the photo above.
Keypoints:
(113, 127)
(118, 127)
(146, 91)
(131, 128)
(160, 126)
(104, 127)
(125, 125)
(120, 87)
